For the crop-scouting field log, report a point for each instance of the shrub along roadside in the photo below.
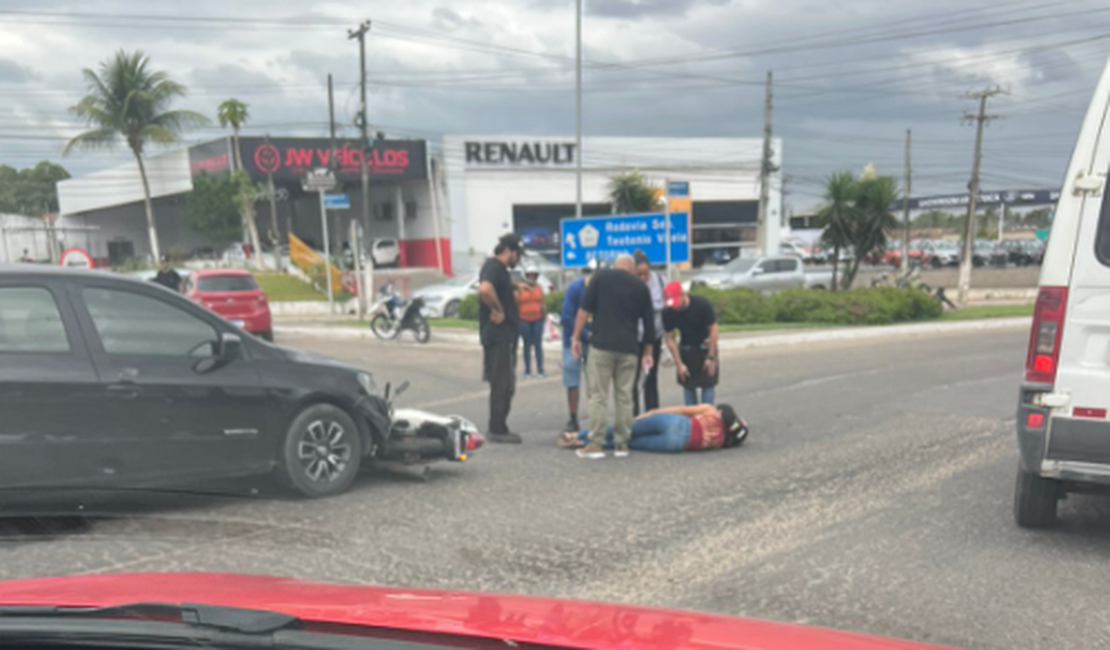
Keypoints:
(468, 308)
(855, 307)
(745, 307)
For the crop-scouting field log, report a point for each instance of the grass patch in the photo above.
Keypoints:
(457, 323)
(762, 327)
(976, 312)
(280, 287)
(435, 323)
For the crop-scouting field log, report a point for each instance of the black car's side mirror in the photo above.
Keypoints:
(227, 349)
(401, 389)
(230, 347)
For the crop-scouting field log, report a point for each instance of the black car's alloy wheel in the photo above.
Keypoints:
(322, 451)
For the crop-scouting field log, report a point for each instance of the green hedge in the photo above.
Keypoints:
(739, 306)
(743, 306)
(468, 308)
(855, 307)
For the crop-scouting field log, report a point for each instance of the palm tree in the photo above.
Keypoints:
(874, 197)
(631, 193)
(839, 216)
(128, 100)
(234, 113)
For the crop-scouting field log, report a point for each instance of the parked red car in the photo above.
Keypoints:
(275, 612)
(236, 296)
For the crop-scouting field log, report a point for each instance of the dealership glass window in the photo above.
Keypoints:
(30, 321)
(131, 323)
(410, 210)
(385, 211)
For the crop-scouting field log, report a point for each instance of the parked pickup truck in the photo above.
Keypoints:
(763, 274)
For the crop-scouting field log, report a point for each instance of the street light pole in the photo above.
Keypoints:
(578, 107)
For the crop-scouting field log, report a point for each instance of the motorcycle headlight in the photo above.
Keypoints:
(366, 381)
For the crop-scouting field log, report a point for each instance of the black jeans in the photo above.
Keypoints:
(499, 369)
(651, 383)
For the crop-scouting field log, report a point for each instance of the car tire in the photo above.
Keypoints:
(451, 309)
(267, 336)
(322, 452)
(936, 263)
(1035, 500)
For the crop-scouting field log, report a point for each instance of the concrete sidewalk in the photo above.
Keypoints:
(729, 341)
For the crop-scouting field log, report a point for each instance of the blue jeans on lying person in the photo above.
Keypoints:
(662, 433)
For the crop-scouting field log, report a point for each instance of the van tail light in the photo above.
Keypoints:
(1044, 340)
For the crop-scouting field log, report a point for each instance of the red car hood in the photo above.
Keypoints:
(563, 623)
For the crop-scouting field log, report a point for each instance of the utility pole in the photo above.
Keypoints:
(363, 124)
(906, 204)
(365, 285)
(275, 229)
(980, 119)
(765, 169)
(578, 108)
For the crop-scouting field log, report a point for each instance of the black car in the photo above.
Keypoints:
(988, 253)
(106, 381)
(1024, 252)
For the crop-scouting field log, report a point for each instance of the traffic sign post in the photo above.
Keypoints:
(674, 189)
(322, 181)
(606, 238)
(337, 201)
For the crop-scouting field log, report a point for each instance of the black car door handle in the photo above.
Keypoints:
(124, 390)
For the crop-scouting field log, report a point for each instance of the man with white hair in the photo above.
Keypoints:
(619, 304)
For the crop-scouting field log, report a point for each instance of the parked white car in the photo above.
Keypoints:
(442, 300)
(1063, 422)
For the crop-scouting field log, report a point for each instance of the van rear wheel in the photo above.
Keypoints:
(1035, 500)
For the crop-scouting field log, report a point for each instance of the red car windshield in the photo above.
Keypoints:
(226, 283)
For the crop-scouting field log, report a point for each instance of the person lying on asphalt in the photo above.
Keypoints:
(676, 429)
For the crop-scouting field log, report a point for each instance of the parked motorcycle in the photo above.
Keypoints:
(418, 437)
(393, 316)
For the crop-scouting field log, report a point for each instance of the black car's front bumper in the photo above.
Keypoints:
(1062, 448)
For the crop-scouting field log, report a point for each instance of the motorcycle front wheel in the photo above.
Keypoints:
(383, 328)
(420, 329)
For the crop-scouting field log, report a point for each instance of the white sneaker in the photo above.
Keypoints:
(622, 453)
(590, 452)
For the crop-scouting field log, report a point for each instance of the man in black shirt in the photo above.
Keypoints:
(168, 277)
(695, 354)
(500, 326)
(619, 304)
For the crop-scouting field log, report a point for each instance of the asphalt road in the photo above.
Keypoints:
(873, 495)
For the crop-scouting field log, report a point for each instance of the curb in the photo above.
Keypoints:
(364, 333)
(875, 332)
(745, 343)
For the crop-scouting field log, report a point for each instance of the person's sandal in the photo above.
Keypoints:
(567, 442)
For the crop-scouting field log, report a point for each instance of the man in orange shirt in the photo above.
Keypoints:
(530, 303)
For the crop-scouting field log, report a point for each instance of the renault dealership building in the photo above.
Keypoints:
(527, 184)
(447, 202)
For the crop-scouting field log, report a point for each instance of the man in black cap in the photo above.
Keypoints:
(500, 328)
(168, 277)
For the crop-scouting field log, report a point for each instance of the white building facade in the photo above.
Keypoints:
(526, 184)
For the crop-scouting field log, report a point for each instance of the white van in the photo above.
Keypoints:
(1063, 428)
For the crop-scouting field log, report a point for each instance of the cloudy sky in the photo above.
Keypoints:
(851, 75)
